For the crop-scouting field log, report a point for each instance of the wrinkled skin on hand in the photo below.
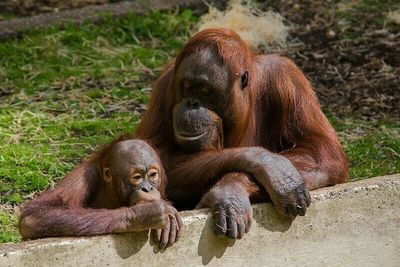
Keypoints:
(282, 181)
(146, 215)
(171, 232)
(232, 217)
(231, 208)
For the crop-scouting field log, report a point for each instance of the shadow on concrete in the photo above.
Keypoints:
(271, 220)
(128, 244)
(154, 244)
(210, 245)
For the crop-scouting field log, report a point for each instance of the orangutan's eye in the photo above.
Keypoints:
(136, 179)
(244, 80)
(153, 174)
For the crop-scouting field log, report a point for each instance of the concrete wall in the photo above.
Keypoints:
(356, 224)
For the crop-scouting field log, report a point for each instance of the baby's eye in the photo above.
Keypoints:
(136, 179)
(153, 174)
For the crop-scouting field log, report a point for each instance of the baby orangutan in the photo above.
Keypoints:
(133, 167)
(123, 193)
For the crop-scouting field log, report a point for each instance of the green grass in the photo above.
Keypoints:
(64, 92)
(368, 12)
(373, 148)
(8, 229)
(6, 16)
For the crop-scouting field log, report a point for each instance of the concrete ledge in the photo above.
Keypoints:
(355, 224)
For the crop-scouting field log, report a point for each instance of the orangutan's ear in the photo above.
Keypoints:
(107, 175)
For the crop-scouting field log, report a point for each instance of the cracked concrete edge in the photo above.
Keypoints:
(350, 224)
(96, 13)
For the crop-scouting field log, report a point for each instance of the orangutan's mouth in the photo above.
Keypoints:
(190, 136)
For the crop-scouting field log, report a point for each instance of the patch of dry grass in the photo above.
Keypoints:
(257, 28)
(394, 16)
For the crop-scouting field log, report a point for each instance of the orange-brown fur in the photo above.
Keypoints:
(280, 115)
(283, 115)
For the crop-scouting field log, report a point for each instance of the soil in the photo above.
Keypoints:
(22, 8)
(350, 52)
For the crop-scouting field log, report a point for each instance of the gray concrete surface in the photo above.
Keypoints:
(355, 224)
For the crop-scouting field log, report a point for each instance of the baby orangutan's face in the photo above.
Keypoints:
(134, 168)
(145, 184)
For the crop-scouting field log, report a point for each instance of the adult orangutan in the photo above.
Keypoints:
(118, 189)
(231, 126)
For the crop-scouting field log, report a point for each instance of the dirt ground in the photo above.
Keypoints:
(350, 50)
(34, 7)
